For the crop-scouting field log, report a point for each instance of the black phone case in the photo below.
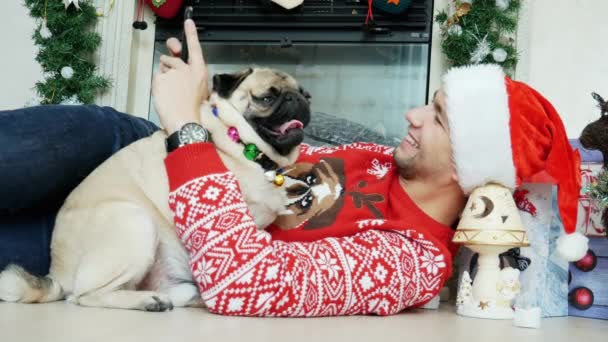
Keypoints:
(187, 15)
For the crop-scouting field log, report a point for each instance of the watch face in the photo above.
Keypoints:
(192, 133)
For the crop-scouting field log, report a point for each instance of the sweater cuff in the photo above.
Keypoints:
(190, 162)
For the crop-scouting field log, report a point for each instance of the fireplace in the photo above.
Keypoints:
(362, 78)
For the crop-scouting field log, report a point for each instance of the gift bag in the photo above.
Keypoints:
(545, 281)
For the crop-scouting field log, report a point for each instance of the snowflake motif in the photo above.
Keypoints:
(432, 263)
(179, 209)
(379, 170)
(326, 262)
(369, 223)
(212, 193)
(380, 273)
(203, 272)
(366, 282)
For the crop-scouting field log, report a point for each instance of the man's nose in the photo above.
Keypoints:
(414, 118)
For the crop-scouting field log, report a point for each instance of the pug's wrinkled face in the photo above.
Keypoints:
(273, 103)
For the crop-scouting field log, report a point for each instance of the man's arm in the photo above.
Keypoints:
(242, 271)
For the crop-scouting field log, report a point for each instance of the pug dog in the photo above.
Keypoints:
(114, 243)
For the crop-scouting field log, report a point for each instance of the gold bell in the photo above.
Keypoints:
(279, 179)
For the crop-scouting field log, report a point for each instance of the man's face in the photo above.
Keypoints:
(426, 151)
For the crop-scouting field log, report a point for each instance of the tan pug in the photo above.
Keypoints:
(114, 243)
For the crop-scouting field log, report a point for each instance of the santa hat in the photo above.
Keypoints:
(505, 132)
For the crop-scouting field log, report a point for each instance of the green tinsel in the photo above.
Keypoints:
(484, 20)
(598, 190)
(72, 44)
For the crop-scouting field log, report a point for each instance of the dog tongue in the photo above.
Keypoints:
(292, 124)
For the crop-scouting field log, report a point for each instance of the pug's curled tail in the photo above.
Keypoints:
(18, 285)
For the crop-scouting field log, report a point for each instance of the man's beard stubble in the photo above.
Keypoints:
(406, 165)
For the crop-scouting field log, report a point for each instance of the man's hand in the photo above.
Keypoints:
(180, 88)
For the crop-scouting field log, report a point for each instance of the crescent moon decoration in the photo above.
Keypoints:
(488, 207)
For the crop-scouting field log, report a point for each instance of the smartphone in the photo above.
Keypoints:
(187, 15)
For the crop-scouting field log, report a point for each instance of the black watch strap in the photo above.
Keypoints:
(172, 143)
(188, 134)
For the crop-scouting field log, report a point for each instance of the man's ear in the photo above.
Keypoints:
(226, 84)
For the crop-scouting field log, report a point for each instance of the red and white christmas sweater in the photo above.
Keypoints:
(351, 241)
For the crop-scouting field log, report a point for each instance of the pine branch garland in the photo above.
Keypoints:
(462, 34)
(69, 42)
(598, 190)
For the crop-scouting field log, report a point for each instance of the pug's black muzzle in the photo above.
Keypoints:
(290, 105)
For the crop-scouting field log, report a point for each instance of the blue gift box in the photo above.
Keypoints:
(588, 295)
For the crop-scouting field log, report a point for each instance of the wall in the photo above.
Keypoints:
(564, 55)
(125, 56)
(140, 73)
(18, 70)
(438, 62)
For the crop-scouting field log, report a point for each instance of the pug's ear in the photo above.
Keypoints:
(305, 93)
(226, 84)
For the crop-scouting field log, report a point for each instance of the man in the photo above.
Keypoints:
(380, 245)
(382, 242)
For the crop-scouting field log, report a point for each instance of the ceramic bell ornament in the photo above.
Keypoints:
(490, 225)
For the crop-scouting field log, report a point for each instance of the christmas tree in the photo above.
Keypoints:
(66, 39)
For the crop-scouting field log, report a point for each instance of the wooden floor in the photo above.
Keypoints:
(64, 322)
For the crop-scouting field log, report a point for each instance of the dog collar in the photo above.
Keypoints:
(272, 170)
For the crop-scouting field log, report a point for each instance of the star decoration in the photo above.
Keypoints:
(67, 3)
(483, 305)
(473, 206)
(504, 218)
(396, 2)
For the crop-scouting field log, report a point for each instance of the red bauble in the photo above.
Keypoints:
(588, 262)
(581, 298)
(165, 8)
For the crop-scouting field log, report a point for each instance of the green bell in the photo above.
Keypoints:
(251, 151)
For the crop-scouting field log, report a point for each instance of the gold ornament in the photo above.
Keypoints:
(462, 10)
(279, 179)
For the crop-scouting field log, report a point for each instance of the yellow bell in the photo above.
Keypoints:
(279, 179)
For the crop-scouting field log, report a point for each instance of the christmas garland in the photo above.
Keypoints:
(66, 39)
(598, 189)
(480, 31)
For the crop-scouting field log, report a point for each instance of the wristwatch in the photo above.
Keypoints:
(189, 133)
